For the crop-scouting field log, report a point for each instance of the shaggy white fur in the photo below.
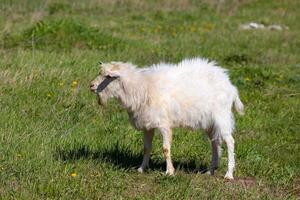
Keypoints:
(194, 93)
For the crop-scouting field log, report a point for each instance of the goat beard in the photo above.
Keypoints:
(100, 102)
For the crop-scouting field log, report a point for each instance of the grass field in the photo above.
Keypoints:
(57, 143)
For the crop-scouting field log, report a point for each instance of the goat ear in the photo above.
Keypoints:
(112, 70)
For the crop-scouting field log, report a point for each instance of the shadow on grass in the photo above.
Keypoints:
(122, 157)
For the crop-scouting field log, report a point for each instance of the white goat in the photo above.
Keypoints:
(194, 93)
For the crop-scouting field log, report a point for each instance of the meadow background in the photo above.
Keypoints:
(57, 143)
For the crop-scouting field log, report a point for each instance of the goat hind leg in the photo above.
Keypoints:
(216, 154)
(231, 162)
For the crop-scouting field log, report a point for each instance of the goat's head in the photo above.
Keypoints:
(108, 84)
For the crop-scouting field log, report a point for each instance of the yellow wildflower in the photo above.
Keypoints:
(193, 29)
(208, 27)
(73, 174)
(247, 79)
(74, 83)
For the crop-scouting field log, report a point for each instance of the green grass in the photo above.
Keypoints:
(51, 126)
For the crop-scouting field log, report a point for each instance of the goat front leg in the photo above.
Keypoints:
(167, 140)
(148, 137)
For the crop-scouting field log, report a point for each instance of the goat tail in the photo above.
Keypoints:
(238, 105)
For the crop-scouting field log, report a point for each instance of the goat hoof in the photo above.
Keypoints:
(228, 176)
(210, 173)
(141, 170)
(170, 172)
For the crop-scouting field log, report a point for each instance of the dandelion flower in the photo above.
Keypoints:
(193, 29)
(208, 27)
(73, 174)
(74, 83)
(280, 76)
